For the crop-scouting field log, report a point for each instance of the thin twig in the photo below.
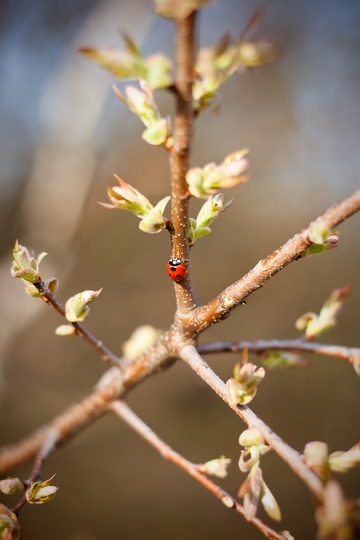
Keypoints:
(50, 299)
(51, 438)
(190, 355)
(261, 345)
(121, 409)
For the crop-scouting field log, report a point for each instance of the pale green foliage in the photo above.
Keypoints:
(216, 467)
(243, 387)
(65, 330)
(9, 527)
(282, 359)
(317, 458)
(127, 197)
(254, 490)
(142, 103)
(25, 266)
(210, 179)
(199, 227)
(128, 64)
(143, 337)
(11, 485)
(41, 492)
(77, 307)
(314, 324)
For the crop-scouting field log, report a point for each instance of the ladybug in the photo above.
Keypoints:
(176, 269)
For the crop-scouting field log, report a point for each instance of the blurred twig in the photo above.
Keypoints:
(121, 409)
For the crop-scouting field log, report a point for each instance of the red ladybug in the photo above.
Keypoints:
(176, 269)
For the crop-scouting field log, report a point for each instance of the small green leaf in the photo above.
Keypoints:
(41, 492)
(9, 527)
(11, 485)
(143, 337)
(76, 308)
(216, 467)
(65, 330)
(158, 133)
(283, 359)
(269, 503)
(316, 457)
(343, 461)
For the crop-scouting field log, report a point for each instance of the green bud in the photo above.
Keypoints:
(319, 233)
(158, 133)
(76, 308)
(316, 457)
(250, 437)
(11, 485)
(269, 503)
(127, 197)
(52, 284)
(227, 301)
(237, 393)
(41, 492)
(9, 527)
(142, 103)
(216, 467)
(250, 491)
(207, 181)
(159, 71)
(25, 266)
(65, 330)
(283, 359)
(199, 227)
(122, 64)
(143, 337)
(258, 53)
(32, 291)
(314, 324)
(343, 461)
(154, 222)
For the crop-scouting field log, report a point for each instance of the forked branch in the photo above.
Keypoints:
(287, 453)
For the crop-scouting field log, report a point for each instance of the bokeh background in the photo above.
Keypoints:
(63, 134)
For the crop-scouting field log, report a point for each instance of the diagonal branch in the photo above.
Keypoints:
(190, 355)
(220, 307)
(80, 329)
(123, 411)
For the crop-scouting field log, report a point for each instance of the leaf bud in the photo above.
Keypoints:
(76, 307)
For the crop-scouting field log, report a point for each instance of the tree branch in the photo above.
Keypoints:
(220, 307)
(190, 355)
(183, 124)
(123, 411)
(261, 345)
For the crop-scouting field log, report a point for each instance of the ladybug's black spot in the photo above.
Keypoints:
(172, 268)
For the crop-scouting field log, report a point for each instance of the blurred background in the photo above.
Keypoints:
(63, 134)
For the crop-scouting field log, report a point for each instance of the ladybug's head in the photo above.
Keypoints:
(174, 261)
